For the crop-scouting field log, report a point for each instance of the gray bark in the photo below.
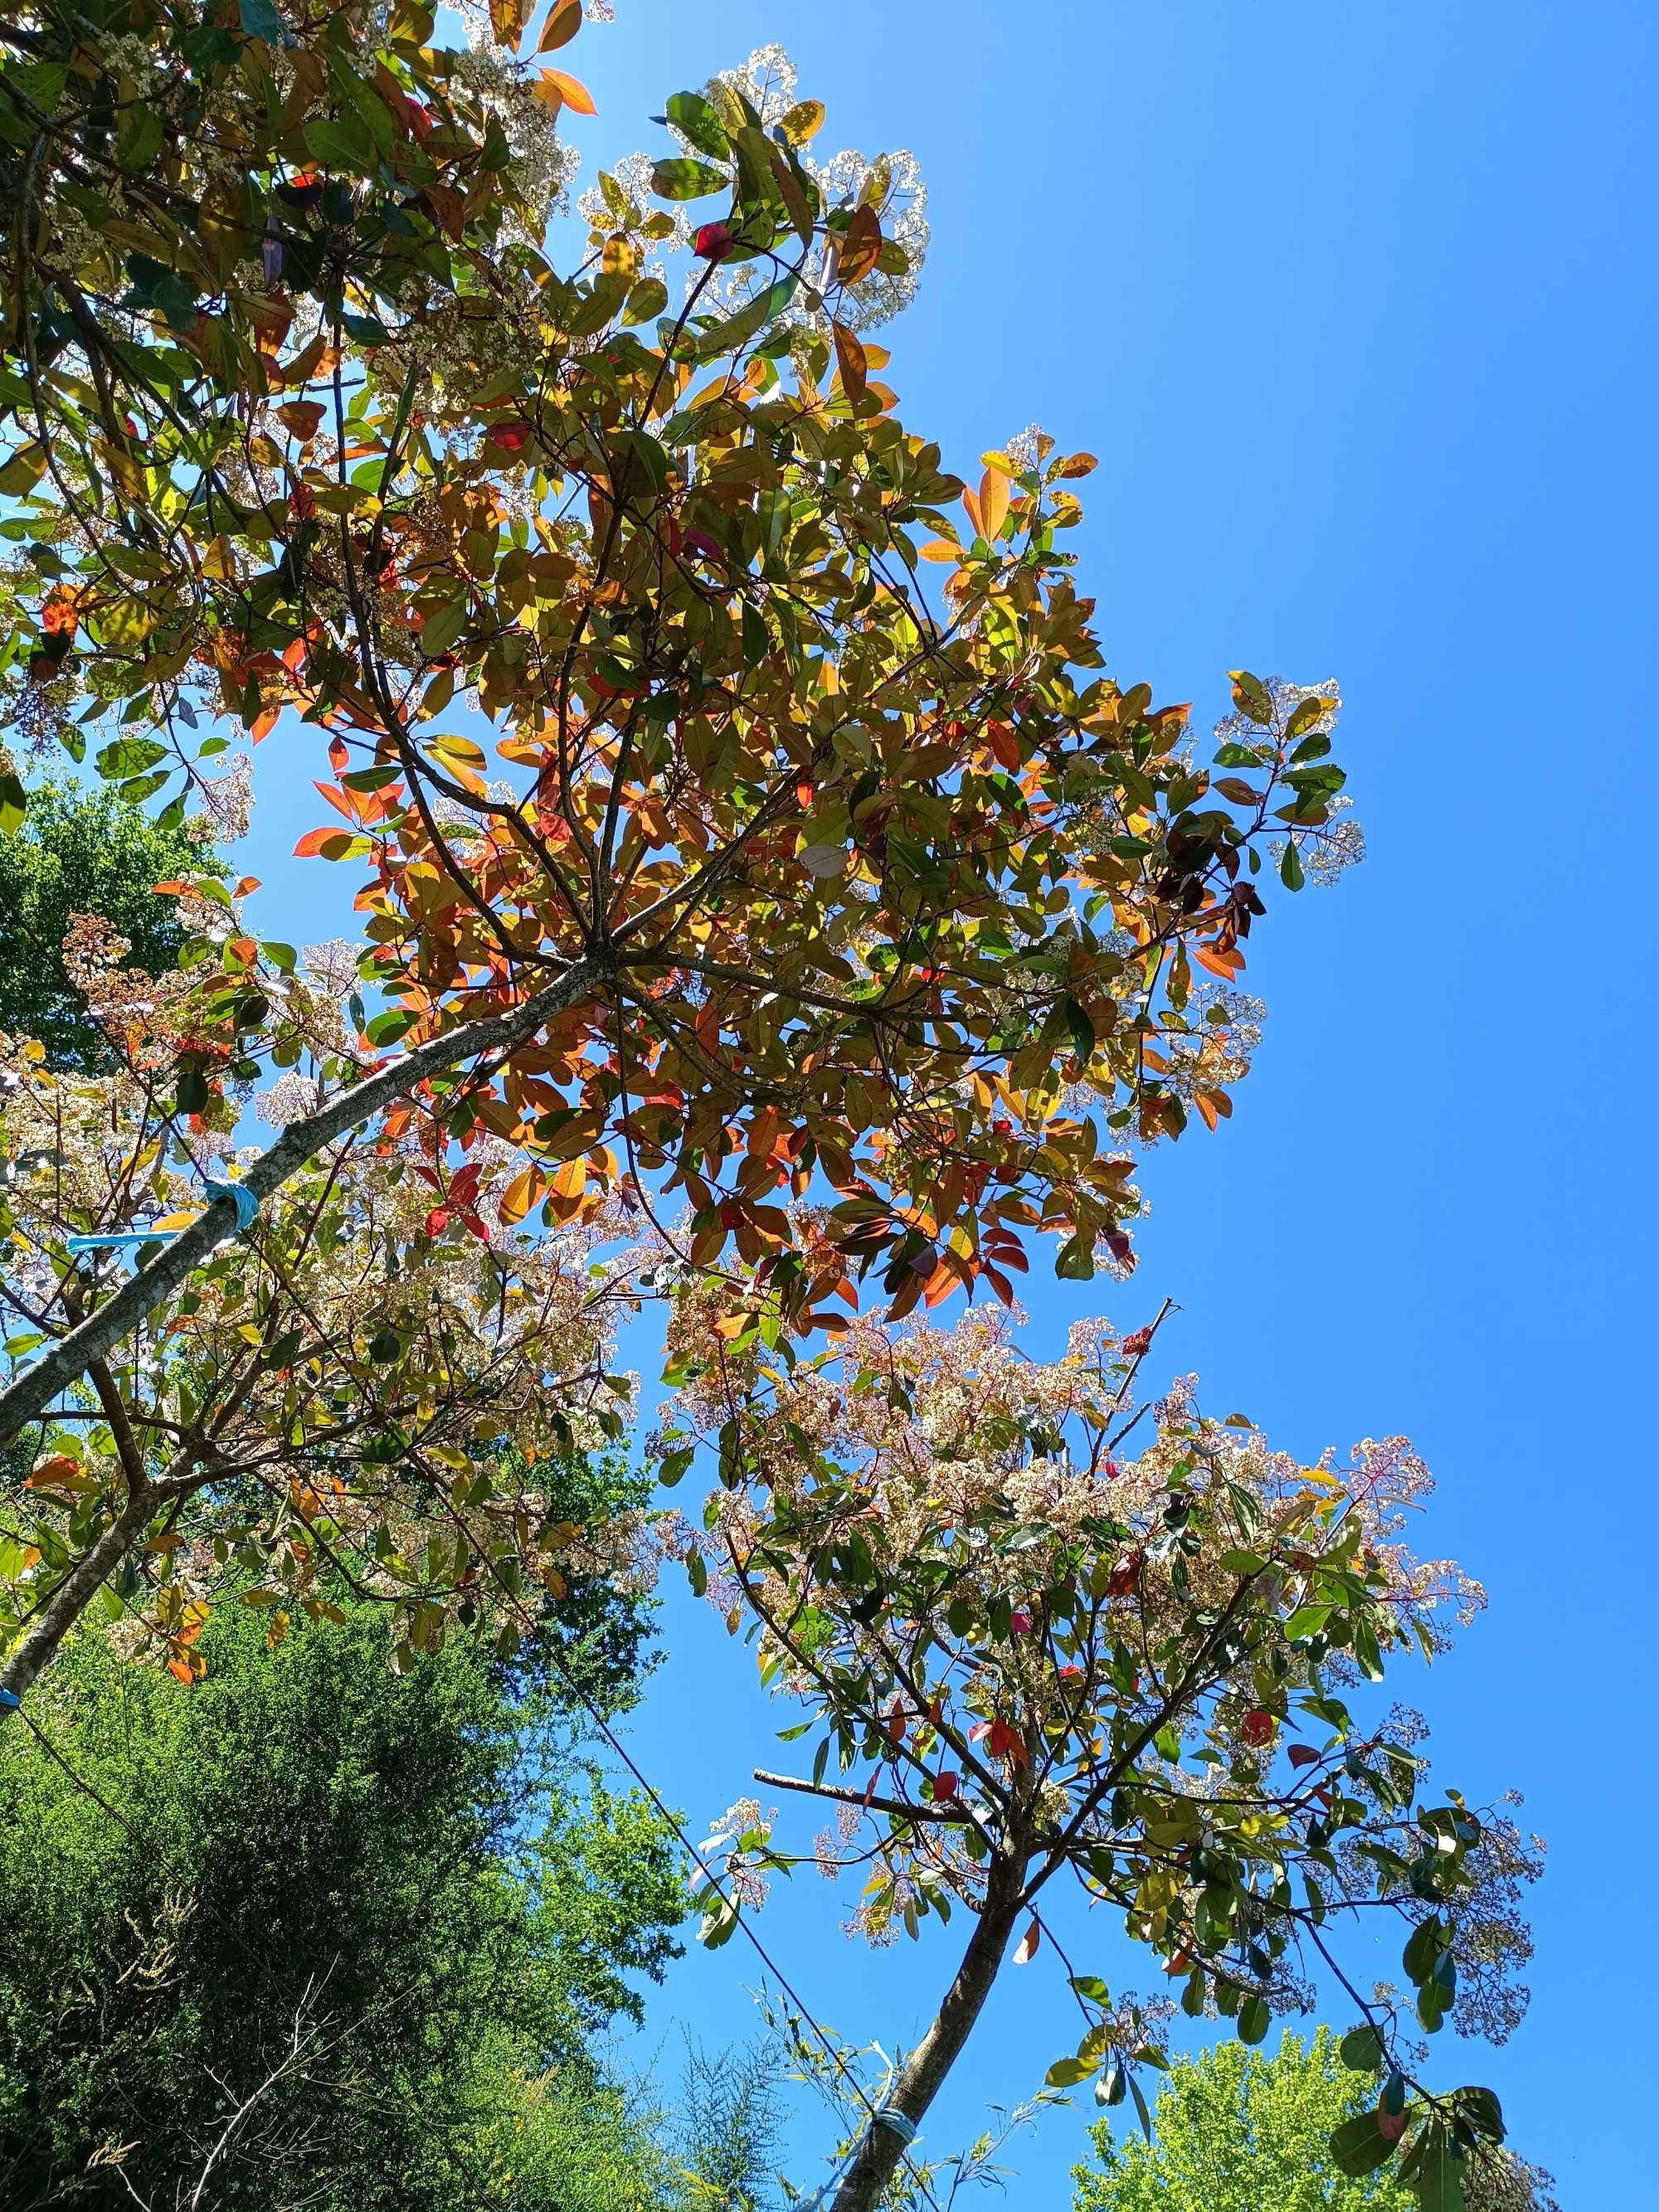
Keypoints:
(879, 2154)
(77, 1590)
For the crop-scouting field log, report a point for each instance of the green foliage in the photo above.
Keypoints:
(81, 851)
(1239, 2132)
(732, 2121)
(413, 1877)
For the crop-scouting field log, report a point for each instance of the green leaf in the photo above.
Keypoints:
(368, 329)
(42, 83)
(138, 138)
(737, 330)
(13, 802)
(388, 1028)
(1423, 1948)
(1481, 2109)
(1076, 1262)
(1290, 866)
(682, 178)
(1433, 2169)
(695, 119)
(1066, 2073)
(649, 298)
(1141, 2113)
(1251, 695)
(342, 142)
(718, 1926)
(130, 756)
(1254, 2019)
(260, 20)
(1359, 2146)
(1361, 2049)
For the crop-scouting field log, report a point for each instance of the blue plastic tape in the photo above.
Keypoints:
(9, 1701)
(240, 1197)
(247, 1206)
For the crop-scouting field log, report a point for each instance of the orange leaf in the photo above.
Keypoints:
(521, 1193)
(854, 364)
(570, 90)
(993, 501)
(302, 417)
(1028, 1944)
(331, 844)
(1224, 964)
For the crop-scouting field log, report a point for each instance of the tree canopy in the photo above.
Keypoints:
(749, 925)
(1236, 2130)
(388, 1914)
(82, 852)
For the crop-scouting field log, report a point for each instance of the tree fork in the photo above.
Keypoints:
(33, 1392)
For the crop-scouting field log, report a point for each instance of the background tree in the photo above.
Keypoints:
(82, 852)
(1235, 2131)
(420, 1870)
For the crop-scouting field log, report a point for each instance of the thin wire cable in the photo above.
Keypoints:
(743, 1927)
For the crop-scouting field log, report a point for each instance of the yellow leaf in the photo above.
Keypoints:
(521, 1193)
(802, 122)
(571, 1180)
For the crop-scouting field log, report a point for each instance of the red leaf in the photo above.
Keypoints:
(331, 843)
(437, 1221)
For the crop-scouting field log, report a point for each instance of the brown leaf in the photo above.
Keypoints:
(861, 244)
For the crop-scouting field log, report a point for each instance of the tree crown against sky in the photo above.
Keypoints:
(801, 879)
(1238, 2131)
(797, 873)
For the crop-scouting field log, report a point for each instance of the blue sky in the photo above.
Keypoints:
(1357, 307)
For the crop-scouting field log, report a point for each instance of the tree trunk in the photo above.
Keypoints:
(28, 1397)
(77, 1590)
(879, 2154)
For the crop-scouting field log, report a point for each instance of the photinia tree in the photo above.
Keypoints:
(784, 873)
(1031, 1656)
(383, 1391)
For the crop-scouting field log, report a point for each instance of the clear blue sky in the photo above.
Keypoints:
(1357, 307)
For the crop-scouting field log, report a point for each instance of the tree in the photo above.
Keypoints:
(412, 1881)
(382, 1390)
(81, 851)
(800, 876)
(1026, 1656)
(1236, 2130)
